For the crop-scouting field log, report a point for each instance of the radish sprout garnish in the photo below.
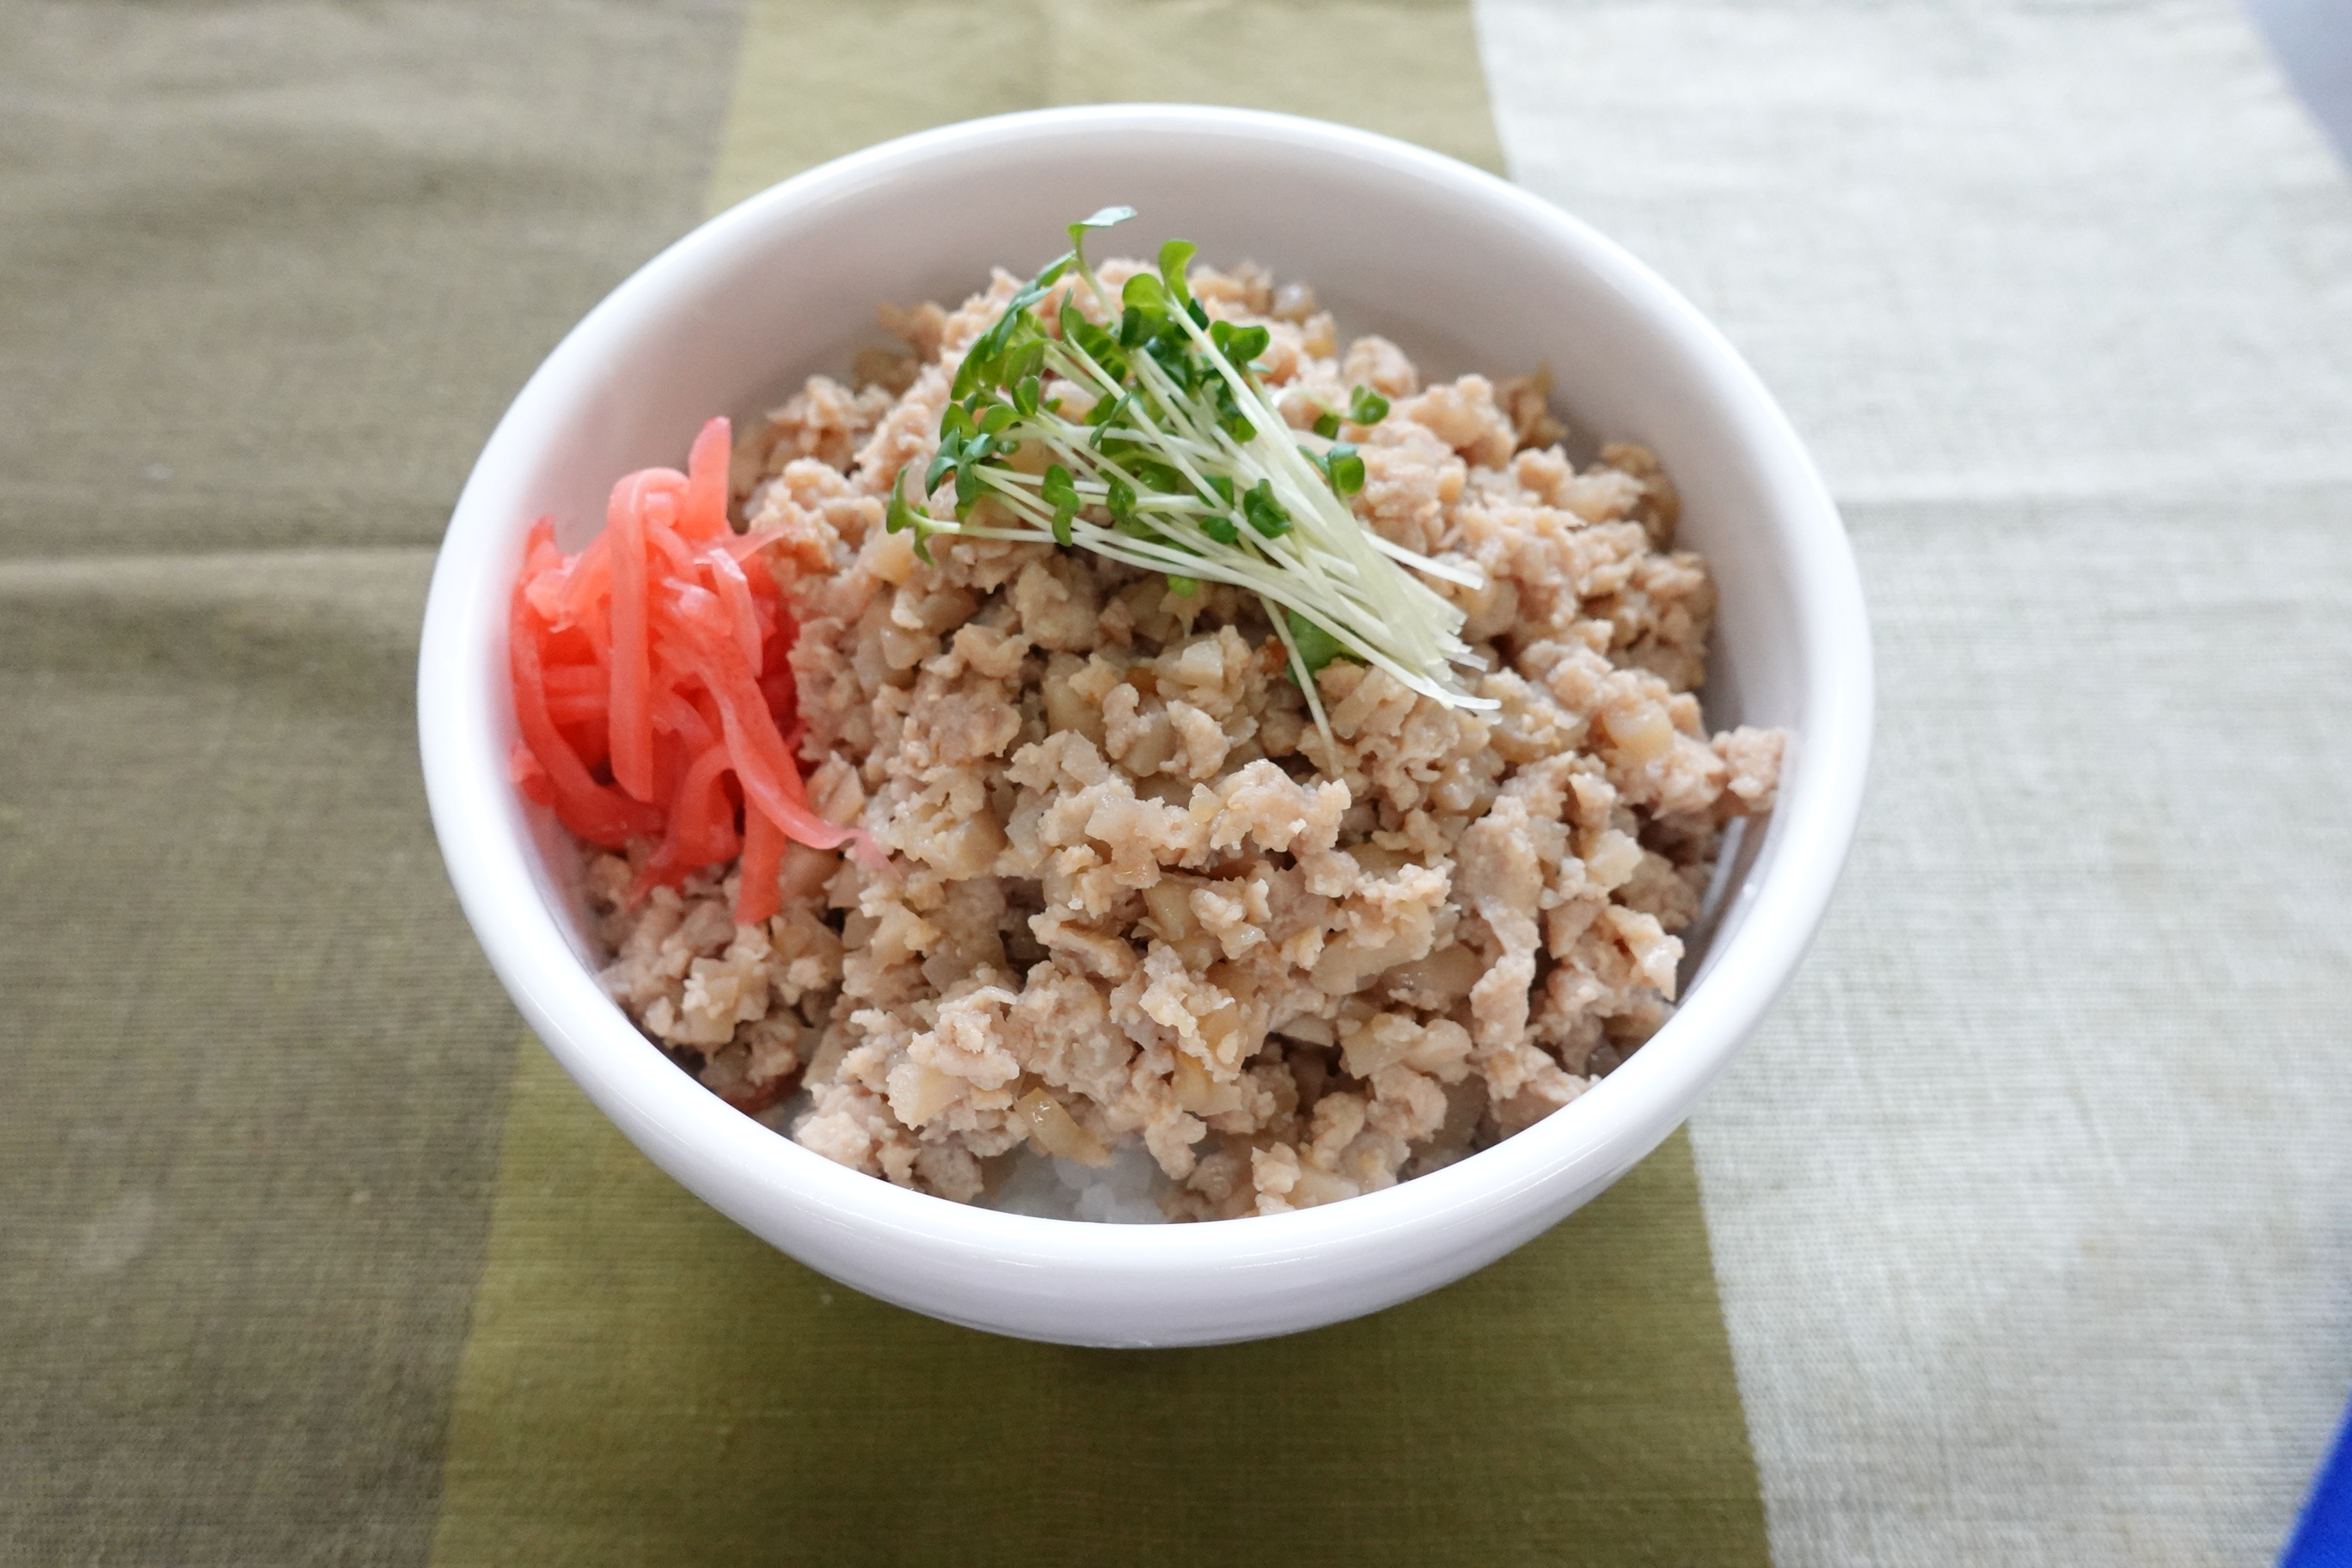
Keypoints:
(1178, 462)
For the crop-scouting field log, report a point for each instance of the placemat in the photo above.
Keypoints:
(647, 1384)
(634, 1358)
(269, 272)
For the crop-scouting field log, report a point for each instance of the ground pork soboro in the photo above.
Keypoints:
(1131, 895)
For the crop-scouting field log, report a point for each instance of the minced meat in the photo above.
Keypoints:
(1130, 896)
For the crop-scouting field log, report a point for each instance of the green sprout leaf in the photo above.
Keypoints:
(1174, 256)
(1316, 648)
(1264, 513)
(956, 431)
(1159, 476)
(1024, 361)
(1326, 425)
(1183, 587)
(1120, 501)
(1062, 494)
(1098, 344)
(1240, 345)
(1146, 294)
(1173, 355)
(968, 486)
(1105, 416)
(1344, 467)
(1366, 406)
(902, 517)
(1108, 218)
(985, 362)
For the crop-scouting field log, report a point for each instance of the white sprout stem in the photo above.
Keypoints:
(1327, 567)
(1306, 679)
(1304, 496)
(1233, 567)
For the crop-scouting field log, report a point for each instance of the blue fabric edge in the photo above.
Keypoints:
(2323, 1535)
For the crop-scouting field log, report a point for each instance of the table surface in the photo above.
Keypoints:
(2022, 1234)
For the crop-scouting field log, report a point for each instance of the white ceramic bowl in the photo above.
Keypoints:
(1463, 269)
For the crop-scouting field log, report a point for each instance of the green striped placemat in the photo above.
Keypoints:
(646, 1383)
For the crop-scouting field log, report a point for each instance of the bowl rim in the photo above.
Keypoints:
(686, 1129)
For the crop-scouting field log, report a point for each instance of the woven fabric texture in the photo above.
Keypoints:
(2033, 1207)
(634, 1358)
(267, 273)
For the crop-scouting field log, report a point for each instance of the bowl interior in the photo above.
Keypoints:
(791, 288)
